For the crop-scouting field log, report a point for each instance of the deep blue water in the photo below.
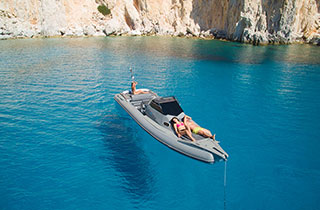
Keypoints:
(66, 144)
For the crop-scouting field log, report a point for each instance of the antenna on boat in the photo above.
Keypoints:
(132, 77)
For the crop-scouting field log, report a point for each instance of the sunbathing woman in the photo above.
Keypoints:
(181, 129)
(196, 128)
(133, 89)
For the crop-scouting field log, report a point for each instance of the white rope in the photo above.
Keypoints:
(225, 184)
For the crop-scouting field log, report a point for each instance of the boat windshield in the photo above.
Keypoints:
(172, 108)
(168, 105)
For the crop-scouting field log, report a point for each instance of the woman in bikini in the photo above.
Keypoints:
(196, 129)
(133, 89)
(181, 129)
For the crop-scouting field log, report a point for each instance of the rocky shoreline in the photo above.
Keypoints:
(250, 21)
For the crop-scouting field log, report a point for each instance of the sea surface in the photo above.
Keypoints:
(66, 144)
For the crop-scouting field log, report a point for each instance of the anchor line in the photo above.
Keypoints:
(225, 185)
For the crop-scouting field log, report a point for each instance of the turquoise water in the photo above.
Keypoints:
(66, 144)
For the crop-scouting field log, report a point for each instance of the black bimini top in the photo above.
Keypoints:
(167, 105)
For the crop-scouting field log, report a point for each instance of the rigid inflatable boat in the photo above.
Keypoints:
(154, 113)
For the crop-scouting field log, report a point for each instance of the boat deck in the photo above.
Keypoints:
(139, 100)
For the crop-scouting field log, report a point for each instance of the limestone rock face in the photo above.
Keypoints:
(260, 21)
(251, 21)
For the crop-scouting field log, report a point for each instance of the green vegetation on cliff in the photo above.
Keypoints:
(103, 9)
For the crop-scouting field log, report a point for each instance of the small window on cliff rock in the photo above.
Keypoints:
(103, 9)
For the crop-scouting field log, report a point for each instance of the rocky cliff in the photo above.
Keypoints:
(251, 21)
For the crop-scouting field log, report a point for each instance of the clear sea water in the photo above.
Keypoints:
(66, 144)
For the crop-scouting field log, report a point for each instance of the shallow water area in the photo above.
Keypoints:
(66, 144)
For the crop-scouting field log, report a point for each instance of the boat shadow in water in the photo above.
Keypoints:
(126, 156)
